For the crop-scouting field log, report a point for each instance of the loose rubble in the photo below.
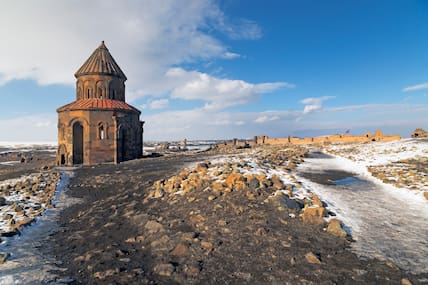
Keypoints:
(25, 198)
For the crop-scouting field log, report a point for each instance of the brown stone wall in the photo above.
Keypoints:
(100, 136)
(100, 87)
(340, 138)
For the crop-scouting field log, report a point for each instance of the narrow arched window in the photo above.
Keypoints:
(101, 133)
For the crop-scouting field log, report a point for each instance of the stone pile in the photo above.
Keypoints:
(22, 200)
(254, 179)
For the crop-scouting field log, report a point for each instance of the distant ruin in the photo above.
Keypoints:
(338, 138)
(419, 133)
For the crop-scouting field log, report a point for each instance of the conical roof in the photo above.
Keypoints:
(101, 62)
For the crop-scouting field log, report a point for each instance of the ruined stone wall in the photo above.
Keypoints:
(129, 129)
(420, 133)
(340, 138)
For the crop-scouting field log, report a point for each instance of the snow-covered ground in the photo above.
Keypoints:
(25, 198)
(380, 153)
(26, 265)
(402, 163)
(12, 144)
(387, 222)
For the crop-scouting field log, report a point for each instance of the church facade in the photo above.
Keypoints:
(99, 127)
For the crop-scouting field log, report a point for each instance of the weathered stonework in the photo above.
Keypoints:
(420, 133)
(340, 138)
(99, 127)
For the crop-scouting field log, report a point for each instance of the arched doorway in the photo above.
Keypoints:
(62, 155)
(77, 143)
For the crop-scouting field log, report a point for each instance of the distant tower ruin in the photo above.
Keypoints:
(99, 127)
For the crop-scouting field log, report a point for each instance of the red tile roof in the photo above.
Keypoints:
(101, 104)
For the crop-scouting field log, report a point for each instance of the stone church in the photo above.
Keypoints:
(99, 127)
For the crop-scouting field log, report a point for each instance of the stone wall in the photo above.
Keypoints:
(108, 136)
(339, 138)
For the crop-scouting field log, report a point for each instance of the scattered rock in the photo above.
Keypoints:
(312, 258)
(197, 219)
(180, 249)
(153, 227)
(104, 274)
(277, 182)
(335, 228)
(253, 182)
(211, 197)
(316, 201)
(164, 269)
(202, 167)
(390, 264)
(314, 214)
(3, 257)
(405, 281)
(161, 243)
(206, 244)
(261, 232)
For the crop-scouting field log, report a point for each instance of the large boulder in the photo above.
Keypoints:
(316, 201)
(153, 227)
(236, 181)
(335, 228)
(277, 182)
(314, 214)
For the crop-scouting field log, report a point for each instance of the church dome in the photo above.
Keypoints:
(101, 62)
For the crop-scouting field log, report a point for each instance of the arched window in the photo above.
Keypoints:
(88, 96)
(101, 133)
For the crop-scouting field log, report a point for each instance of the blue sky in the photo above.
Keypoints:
(221, 69)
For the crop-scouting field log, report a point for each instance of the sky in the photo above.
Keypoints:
(206, 69)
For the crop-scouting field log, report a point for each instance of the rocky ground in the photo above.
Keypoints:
(223, 220)
(27, 187)
(25, 160)
(25, 198)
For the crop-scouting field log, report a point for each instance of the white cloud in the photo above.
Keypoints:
(199, 123)
(265, 119)
(238, 29)
(48, 40)
(230, 55)
(218, 93)
(159, 104)
(29, 128)
(416, 87)
(314, 104)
